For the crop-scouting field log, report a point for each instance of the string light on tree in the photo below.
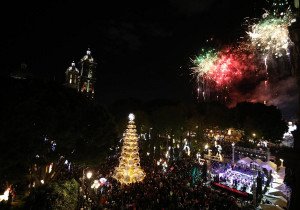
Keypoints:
(129, 169)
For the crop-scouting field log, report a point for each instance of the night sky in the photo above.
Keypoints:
(143, 50)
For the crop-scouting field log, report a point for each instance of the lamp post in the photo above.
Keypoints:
(294, 32)
(254, 192)
(88, 175)
(232, 161)
(150, 133)
(96, 184)
(268, 154)
(206, 148)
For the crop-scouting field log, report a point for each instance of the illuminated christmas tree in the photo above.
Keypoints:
(129, 169)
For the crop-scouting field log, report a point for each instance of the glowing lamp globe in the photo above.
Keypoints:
(89, 174)
(131, 117)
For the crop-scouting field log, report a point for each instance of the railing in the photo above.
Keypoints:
(210, 157)
(252, 152)
(255, 151)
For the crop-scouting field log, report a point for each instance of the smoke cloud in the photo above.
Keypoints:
(282, 94)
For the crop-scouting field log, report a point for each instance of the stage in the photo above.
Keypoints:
(232, 190)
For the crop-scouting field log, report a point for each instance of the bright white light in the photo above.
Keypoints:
(167, 154)
(50, 168)
(103, 180)
(5, 195)
(95, 185)
(131, 117)
(292, 127)
(88, 52)
(42, 181)
(89, 174)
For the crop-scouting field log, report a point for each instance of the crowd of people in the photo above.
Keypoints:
(237, 180)
(174, 188)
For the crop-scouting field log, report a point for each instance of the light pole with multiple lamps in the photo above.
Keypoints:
(294, 32)
(232, 161)
(85, 184)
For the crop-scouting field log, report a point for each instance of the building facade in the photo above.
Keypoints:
(84, 79)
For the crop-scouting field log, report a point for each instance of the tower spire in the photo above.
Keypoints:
(87, 75)
(72, 76)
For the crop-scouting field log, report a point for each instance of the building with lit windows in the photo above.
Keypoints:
(84, 79)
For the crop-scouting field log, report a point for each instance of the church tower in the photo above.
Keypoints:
(87, 78)
(72, 76)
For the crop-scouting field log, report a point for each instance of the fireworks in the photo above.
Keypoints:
(270, 35)
(222, 72)
(225, 67)
(205, 62)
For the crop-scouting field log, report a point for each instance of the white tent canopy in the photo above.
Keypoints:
(270, 207)
(245, 161)
(281, 171)
(269, 165)
(259, 161)
(277, 200)
(284, 189)
(276, 192)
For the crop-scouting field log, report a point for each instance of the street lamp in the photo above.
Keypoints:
(294, 32)
(254, 135)
(206, 148)
(232, 152)
(89, 174)
(150, 133)
(85, 186)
